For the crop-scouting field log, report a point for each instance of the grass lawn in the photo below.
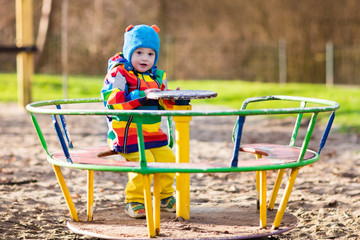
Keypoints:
(231, 93)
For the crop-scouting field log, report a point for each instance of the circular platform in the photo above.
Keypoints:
(232, 222)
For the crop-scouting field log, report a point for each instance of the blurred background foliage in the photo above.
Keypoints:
(202, 39)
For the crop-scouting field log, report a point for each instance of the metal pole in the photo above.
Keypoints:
(182, 156)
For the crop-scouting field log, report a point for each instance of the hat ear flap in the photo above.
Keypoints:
(156, 28)
(129, 28)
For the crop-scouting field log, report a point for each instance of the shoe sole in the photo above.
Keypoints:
(168, 209)
(135, 216)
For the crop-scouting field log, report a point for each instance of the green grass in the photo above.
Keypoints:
(230, 93)
(48, 87)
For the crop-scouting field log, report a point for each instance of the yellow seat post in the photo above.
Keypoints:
(258, 156)
(182, 156)
(258, 189)
(148, 205)
(261, 191)
(156, 194)
(66, 193)
(90, 194)
(262, 199)
(285, 199)
(276, 188)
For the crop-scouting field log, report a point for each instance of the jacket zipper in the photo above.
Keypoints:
(126, 133)
(132, 117)
(142, 75)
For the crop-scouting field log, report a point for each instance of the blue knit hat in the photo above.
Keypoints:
(140, 36)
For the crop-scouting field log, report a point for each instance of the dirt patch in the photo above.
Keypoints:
(325, 199)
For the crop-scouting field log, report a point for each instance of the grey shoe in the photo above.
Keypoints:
(168, 204)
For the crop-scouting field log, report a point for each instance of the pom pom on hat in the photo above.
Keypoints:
(156, 28)
(129, 28)
(141, 36)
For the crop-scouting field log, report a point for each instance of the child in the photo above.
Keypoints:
(131, 75)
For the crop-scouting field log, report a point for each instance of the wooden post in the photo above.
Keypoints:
(24, 60)
(170, 58)
(282, 61)
(329, 64)
(64, 48)
(43, 25)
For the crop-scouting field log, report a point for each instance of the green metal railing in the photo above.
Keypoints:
(324, 106)
(328, 106)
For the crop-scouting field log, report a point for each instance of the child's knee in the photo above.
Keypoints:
(164, 154)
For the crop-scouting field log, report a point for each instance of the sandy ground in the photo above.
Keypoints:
(325, 199)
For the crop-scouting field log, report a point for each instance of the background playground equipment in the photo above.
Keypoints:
(268, 157)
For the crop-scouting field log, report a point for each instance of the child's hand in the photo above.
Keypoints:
(178, 88)
(149, 90)
(173, 101)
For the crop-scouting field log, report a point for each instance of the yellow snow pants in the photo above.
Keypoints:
(134, 188)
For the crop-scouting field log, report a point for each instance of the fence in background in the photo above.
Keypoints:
(347, 65)
(205, 59)
(265, 62)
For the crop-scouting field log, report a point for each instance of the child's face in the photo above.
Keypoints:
(143, 59)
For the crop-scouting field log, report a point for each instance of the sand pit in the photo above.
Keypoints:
(206, 222)
(325, 199)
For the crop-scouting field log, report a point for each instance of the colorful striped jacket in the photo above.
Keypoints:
(124, 90)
